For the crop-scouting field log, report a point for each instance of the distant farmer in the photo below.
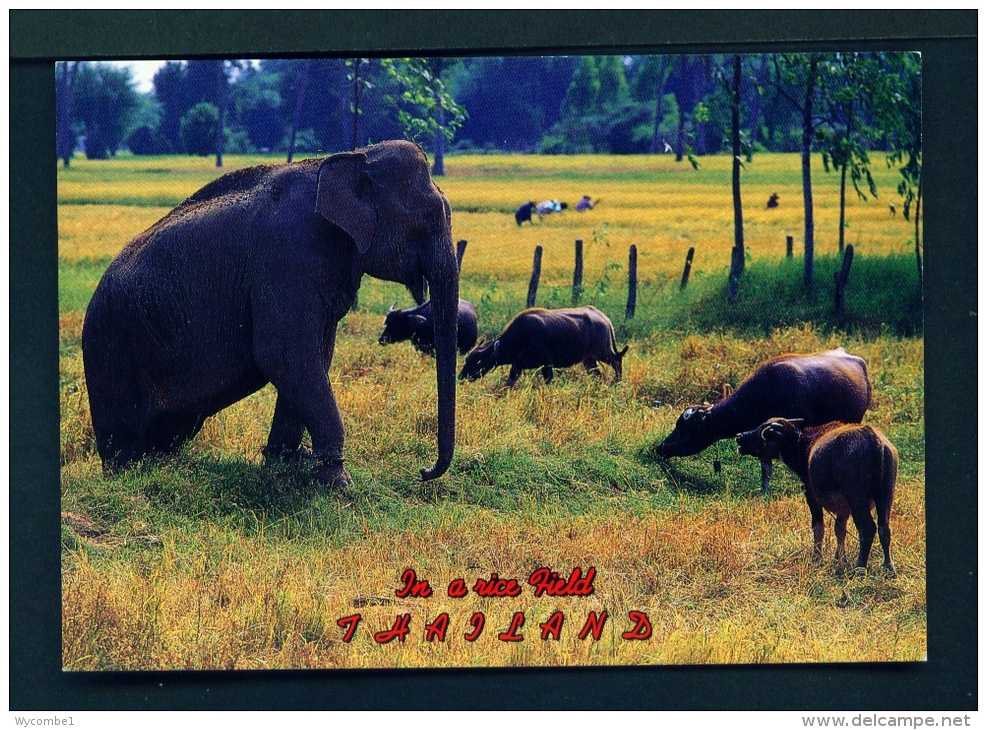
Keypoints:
(549, 206)
(585, 204)
(773, 200)
(523, 213)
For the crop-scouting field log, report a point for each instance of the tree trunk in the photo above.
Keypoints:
(656, 145)
(221, 104)
(299, 103)
(357, 87)
(439, 168)
(737, 260)
(807, 128)
(680, 138)
(65, 139)
(842, 204)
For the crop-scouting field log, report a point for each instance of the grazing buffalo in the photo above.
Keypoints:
(523, 213)
(773, 201)
(844, 467)
(546, 339)
(416, 324)
(819, 388)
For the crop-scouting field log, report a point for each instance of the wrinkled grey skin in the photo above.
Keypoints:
(244, 284)
(844, 468)
(547, 339)
(416, 324)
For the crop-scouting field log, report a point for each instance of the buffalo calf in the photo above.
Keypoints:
(416, 324)
(844, 467)
(547, 339)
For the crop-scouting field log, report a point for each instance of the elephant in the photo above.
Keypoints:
(244, 284)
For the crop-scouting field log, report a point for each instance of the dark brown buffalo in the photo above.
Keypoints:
(845, 469)
(547, 339)
(818, 388)
(416, 324)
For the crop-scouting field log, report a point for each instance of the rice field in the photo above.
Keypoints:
(212, 559)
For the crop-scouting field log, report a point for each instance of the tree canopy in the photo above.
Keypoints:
(623, 104)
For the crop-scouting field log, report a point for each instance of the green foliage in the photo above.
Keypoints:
(237, 143)
(146, 141)
(425, 105)
(103, 103)
(198, 129)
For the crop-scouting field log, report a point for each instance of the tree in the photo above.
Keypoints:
(799, 69)
(613, 88)
(689, 80)
(255, 107)
(360, 84)
(299, 105)
(198, 129)
(425, 105)
(649, 84)
(103, 103)
(65, 75)
(584, 89)
(898, 110)
(737, 260)
(172, 92)
(846, 81)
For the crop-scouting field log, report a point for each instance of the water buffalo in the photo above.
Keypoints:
(523, 213)
(818, 388)
(546, 339)
(845, 468)
(416, 324)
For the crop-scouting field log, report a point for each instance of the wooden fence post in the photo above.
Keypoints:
(789, 243)
(688, 267)
(535, 276)
(460, 250)
(841, 278)
(631, 282)
(577, 273)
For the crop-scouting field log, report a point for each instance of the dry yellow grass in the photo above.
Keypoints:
(732, 583)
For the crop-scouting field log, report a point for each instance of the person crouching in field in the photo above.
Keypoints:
(547, 207)
(586, 204)
(523, 213)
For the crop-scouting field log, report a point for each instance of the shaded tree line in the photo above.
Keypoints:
(548, 104)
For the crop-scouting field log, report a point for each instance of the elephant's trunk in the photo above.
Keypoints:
(443, 279)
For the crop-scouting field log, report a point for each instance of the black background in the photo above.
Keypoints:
(947, 40)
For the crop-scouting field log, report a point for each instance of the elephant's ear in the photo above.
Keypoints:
(345, 197)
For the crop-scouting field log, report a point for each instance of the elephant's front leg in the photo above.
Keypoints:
(305, 399)
(310, 395)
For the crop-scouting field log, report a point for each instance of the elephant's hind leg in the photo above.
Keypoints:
(286, 432)
(168, 431)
